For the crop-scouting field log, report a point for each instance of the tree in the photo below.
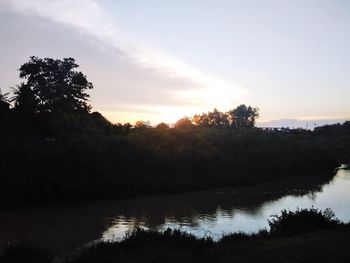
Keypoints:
(25, 101)
(140, 125)
(243, 116)
(57, 87)
(119, 128)
(184, 123)
(217, 118)
(4, 114)
(162, 126)
(200, 119)
(4, 104)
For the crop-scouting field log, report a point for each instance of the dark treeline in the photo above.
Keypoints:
(55, 149)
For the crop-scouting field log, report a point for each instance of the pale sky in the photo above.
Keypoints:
(162, 60)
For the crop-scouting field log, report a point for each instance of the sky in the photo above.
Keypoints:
(156, 60)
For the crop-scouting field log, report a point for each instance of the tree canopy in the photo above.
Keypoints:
(54, 148)
(53, 85)
(162, 126)
(241, 116)
(184, 123)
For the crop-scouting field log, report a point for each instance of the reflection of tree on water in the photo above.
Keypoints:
(64, 228)
(192, 209)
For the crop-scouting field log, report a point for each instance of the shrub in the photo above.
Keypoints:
(302, 221)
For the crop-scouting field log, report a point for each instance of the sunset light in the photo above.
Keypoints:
(155, 131)
(165, 68)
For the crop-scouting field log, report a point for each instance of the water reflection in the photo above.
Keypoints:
(217, 212)
(203, 213)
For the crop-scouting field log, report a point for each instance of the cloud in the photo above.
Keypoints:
(89, 18)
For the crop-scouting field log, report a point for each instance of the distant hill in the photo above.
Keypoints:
(296, 123)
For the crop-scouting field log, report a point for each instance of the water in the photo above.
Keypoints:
(205, 213)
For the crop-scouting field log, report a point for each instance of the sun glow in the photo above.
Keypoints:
(155, 114)
(203, 93)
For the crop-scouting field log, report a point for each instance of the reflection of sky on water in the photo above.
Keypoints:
(120, 227)
(203, 213)
(245, 218)
(334, 195)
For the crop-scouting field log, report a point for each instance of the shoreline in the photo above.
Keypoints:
(270, 183)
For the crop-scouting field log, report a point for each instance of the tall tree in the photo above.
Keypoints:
(57, 86)
(243, 116)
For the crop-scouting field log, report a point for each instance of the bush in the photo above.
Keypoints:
(174, 238)
(291, 223)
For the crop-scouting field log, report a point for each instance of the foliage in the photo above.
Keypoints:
(140, 125)
(25, 101)
(90, 159)
(3, 97)
(169, 236)
(243, 116)
(56, 86)
(162, 125)
(241, 236)
(4, 104)
(55, 150)
(146, 240)
(336, 138)
(214, 119)
(240, 117)
(177, 246)
(302, 221)
(264, 246)
(184, 123)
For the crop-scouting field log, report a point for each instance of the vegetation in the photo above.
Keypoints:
(23, 253)
(242, 116)
(302, 221)
(326, 243)
(55, 149)
(336, 138)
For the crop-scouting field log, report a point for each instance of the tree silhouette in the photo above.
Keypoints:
(217, 118)
(201, 120)
(56, 85)
(4, 103)
(25, 101)
(243, 116)
(4, 114)
(162, 125)
(184, 123)
(140, 125)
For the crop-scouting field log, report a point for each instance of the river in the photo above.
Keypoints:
(203, 213)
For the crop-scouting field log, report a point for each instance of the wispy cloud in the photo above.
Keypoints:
(89, 17)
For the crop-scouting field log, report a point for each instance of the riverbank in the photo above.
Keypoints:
(54, 150)
(82, 167)
(62, 229)
(307, 235)
(320, 246)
